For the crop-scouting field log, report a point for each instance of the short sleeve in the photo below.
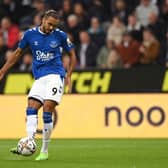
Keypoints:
(24, 40)
(66, 43)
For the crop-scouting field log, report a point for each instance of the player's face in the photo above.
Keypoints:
(49, 24)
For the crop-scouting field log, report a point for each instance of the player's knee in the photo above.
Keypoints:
(49, 106)
(34, 104)
(47, 117)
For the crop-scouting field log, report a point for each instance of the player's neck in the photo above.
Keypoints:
(41, 30)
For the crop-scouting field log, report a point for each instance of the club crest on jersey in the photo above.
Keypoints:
(53, 44)
(35, 43)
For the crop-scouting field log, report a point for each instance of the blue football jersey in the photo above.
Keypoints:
(46, 50)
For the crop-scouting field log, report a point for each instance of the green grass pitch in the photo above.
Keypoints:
(93, 153)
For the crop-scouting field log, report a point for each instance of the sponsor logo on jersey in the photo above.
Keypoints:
(42, 56)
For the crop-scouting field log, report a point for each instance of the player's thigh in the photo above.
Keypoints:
(37, 91)
(54, 88)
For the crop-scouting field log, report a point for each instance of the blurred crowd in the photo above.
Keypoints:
(106, 33)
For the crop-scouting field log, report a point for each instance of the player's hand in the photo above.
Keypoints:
(1, 74)
(68, 83)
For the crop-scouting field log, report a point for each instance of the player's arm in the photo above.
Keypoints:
(10, 62)
(70, 68)
(72, 62)
(68, 47)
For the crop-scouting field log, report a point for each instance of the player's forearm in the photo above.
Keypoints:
(11, 61)
(72, 63)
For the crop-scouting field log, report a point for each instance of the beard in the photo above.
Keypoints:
(46, 31)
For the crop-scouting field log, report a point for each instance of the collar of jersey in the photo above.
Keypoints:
(41, 31)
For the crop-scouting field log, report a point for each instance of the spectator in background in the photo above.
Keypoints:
(83, 17)
(36, 20)
(21, 31)
(96, 9)
(9, 32)
(114, 60)
(134, 27)
(144, 9)
(104, 52)
(38, 8)
(3, 12)
(73, 27)
(158, 27)
(116, 30)
(12, 9)
(120, 10)
(150, 48)
(54, 4)
(26, 7)
(129, 50)
(66, 9)
(131, 4)
(26, 64)
(92, 15)
(164, 11)
(87, 51)
(3, 49)
(96, 32)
